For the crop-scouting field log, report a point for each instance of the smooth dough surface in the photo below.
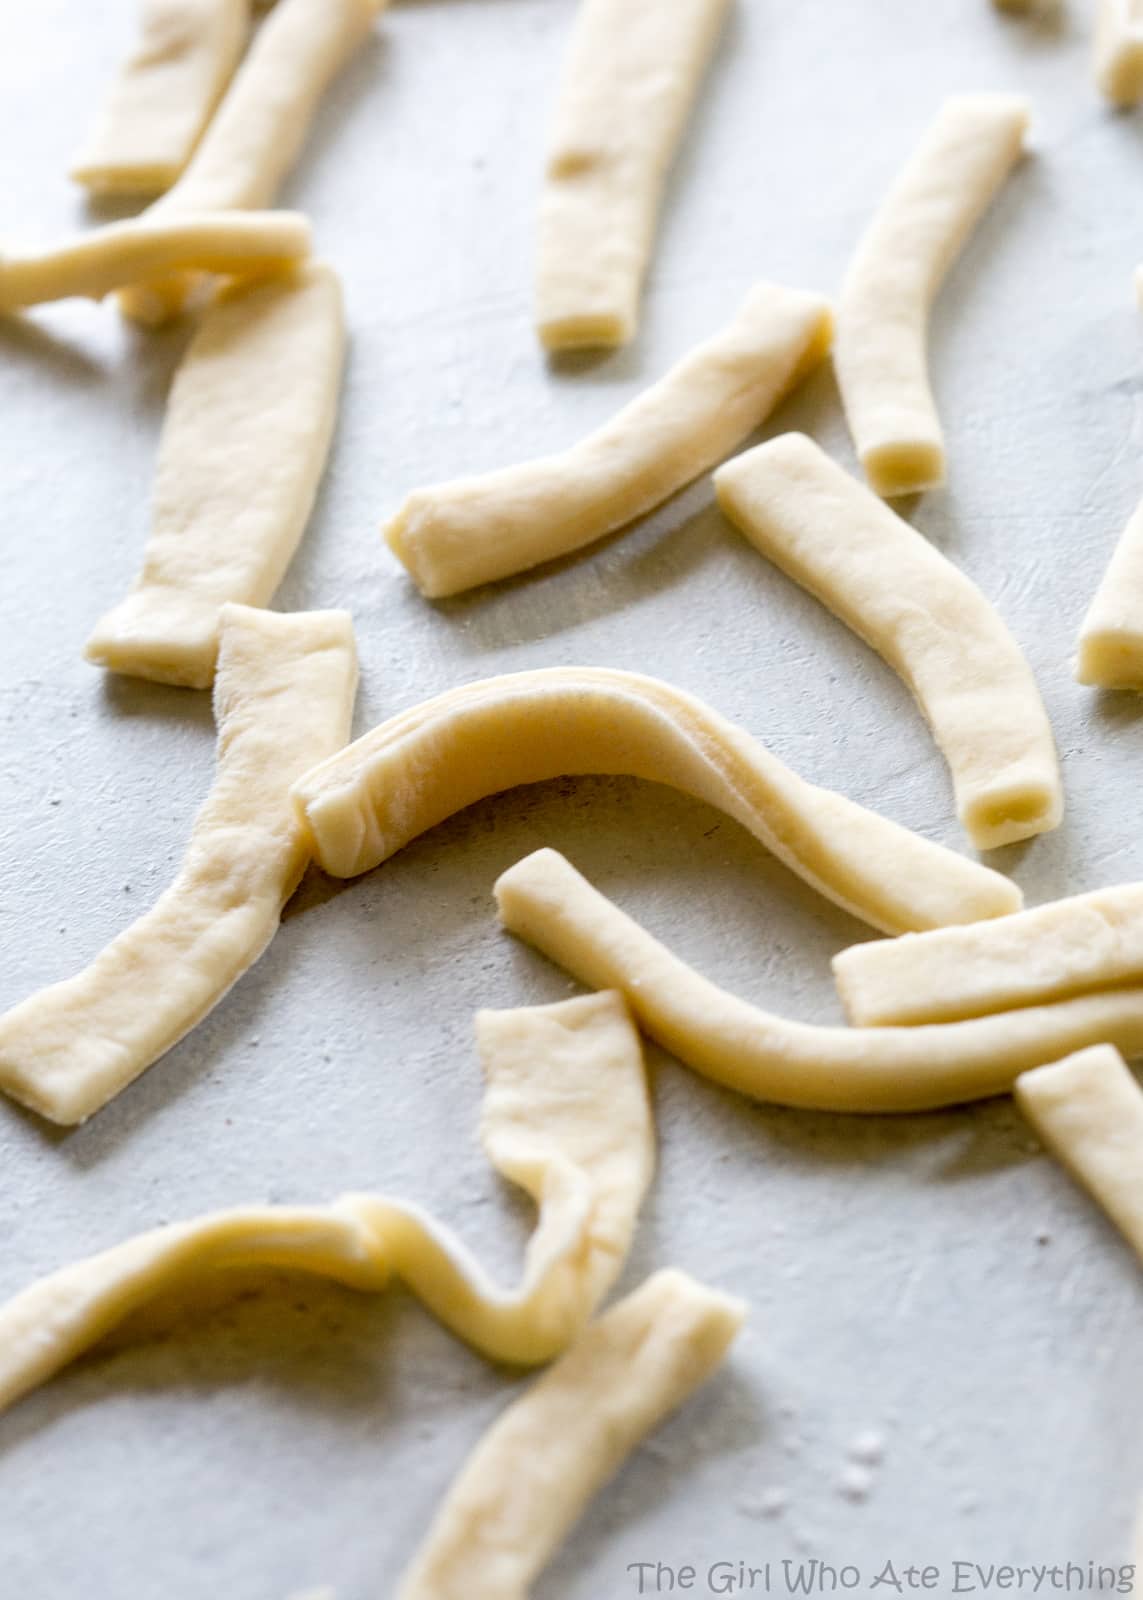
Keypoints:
(1118, 54)
(929, 622)
(566, 1116)
(532, 1475)
(1067, 947)
(163, 95)
(247, 431)
(425, 764)
(632, 74)
(478, 529)
(260, 126)
(544, 900)
(284, 690)
(92, 265)
(882, 326)
(1088, 1110)
(1111, 635)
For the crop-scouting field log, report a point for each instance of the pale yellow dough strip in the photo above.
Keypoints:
(258, 131)
(283, 692)
(929, 622)
(532, 1475)
(1088, 1110)
(244, 444)
(882, 326)
(545, 901)
(478, 529)
(1118, 53)
(1067, 947)
(1111, 635)
(566, 1117)
(163, 95)
(427, 763)
(227, 243)
(632, 74)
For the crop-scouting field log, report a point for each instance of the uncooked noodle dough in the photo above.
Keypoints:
(930, 623)
(632, 74)
(1067, 947)
(1118, 54)
(545, 901)
(247, 432)
(284, 689)
(227, 243)
(1088, 1109)
(530, 1478)
(478, 529)
(163, 95)
(880, 354)
(1111, 636)
(424, 764)
(259, 128)
(566, 1117)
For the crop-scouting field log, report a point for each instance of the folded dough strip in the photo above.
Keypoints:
(226, 243)
(258, 131)
(247, 432)
(1118, 52)
(456, 535)
(1111, 635)
(566, 1116)
(1088, 1109)
(533, 1473)
(427, 763)
(544, 900)
(880, 353)
(163, 95)
(1085, 943)
(923, 616)
(284, 691)
(632, 74)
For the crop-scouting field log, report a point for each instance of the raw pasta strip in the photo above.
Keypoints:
(545, 901)
(423, 765)
(232, 245)
(479, 529)
(247, 432)
(284, 690)
(1111, 636)
(259, 129)
(632, 74)
(880, 354)
(1088, 1109)
(566, 1116)
(929, 622)
(532, 1475)
(163, 95)
(1067, 947)
(1118, 54)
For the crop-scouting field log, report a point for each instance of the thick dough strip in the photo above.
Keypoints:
(284, 690)
(633, 71)
(163, 95)
(929, 622)
(479, 529)
(259, 129)
(1111, 635)
(529, 1480)
(1118, 53)
(1080, 945)
(566, 1116)
(880, 354)
(1088, 1109)
(244, 444)
(230, 244)
(427, 763)
(544, 900)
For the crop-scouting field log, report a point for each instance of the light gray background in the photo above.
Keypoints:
(934, 1278)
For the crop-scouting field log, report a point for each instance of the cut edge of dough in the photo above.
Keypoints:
(1110, 658)
(905, 466)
